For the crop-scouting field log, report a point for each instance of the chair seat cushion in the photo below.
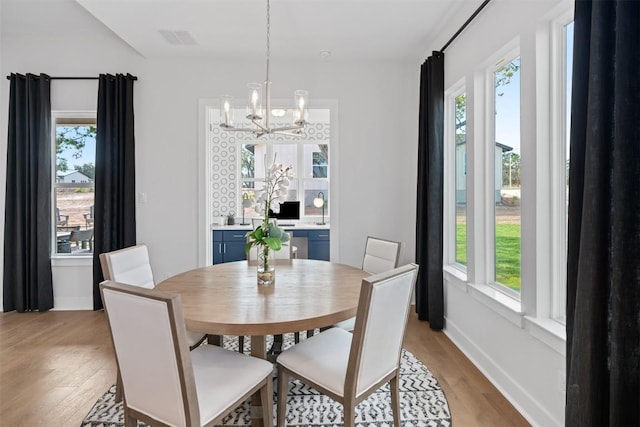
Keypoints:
(328, 353)
(213, 366)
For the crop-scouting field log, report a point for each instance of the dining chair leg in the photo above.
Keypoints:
(215, 340)
(296, 337)
(283, 392)
(118, 394)
(349, 413)
(276, 347)
(240, 344)
(129, 421)
(395, 400)
(266, 399)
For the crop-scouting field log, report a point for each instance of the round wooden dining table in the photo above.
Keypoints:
(225, 299)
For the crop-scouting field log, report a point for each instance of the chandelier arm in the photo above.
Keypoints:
(236, 129)
(286, 128)
(263, 128)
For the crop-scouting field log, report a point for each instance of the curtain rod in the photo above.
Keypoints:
(484, 3)
(75, 78)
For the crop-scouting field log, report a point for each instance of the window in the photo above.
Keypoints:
(506, 168)
(460, 132)
(310, 163)
(455, 224)
(74, 141)
(308, 154)
(560, 160)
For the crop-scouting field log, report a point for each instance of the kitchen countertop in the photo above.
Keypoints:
(285, 225)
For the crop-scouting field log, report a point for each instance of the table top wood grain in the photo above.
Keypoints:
(224, 299)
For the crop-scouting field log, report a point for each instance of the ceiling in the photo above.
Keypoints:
(302, 29)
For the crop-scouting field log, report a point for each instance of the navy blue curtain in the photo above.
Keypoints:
(603, 264)
(115, 210)
(27, 283)
(429, 206)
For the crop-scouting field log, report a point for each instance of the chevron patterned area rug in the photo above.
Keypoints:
(422, 402)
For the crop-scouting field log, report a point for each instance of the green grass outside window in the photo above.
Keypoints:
(507, 253)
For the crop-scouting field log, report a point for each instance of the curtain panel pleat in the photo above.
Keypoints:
(429, 203)
(115, 211)
(27, 282)
(603, 270)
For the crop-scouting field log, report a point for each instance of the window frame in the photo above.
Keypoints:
(557, 159)
(510, 52)
(56, 115)
(271, 146)
(450, 238)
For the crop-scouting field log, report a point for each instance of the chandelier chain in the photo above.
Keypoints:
(260, 119)
(268, 36)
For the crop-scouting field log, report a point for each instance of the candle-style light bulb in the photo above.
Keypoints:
(226, 111)
(227, 107)
(299, 116)
(254, 101)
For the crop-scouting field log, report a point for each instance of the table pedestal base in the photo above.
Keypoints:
(258, 349)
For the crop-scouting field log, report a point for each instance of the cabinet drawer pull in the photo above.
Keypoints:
(323, 235)
(238, 235)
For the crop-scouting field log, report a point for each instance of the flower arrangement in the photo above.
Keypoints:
(268, 236)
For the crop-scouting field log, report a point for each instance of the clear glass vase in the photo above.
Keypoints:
(266, 266)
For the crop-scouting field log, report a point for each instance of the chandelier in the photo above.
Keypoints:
(261, 119)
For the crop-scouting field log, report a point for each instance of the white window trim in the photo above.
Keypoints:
(550, 173)
(78, 259)
(502, 57)
(450, 96)
(557, 157)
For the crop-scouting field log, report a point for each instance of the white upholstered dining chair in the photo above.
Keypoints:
(349, 367)
(131, 266)
(379, 255)
(164, 383)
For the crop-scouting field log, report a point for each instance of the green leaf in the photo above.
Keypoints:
(247, 248)
(273, 242)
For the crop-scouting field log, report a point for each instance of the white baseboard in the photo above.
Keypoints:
(522, 400)
(72, 304)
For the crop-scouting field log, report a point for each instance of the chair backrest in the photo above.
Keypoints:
(380, 255)
(149, 338)
(381, 320)
(130, 266)
(81, 235)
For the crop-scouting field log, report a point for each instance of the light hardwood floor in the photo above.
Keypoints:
(53, 367)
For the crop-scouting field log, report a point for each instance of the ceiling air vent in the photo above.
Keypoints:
(180, 37)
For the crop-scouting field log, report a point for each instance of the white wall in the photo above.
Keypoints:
(525, 361)
(377, 137)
